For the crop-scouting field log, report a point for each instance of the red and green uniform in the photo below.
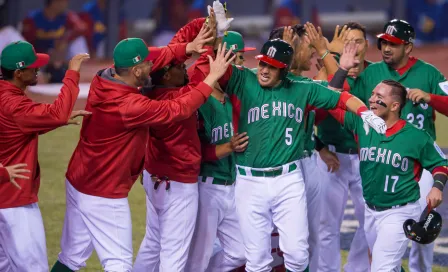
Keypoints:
(391, 165)
(421, 115)
(273, 117)
(309, 139)
(215, 128)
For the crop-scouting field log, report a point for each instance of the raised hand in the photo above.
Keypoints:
(219, 66)
(75, 114)
(337, 44)
(289, 36)
(76, 61)
(348, 58)
(373, 121)
(239, 142)
(418, 96)
(204, 37)
(317, 40)
(16, 171)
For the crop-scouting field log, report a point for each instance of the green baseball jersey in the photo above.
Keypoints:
(330, 131)
(421, 76)
(274, 117)
(309, 128)
(390, 166)
(216, 128)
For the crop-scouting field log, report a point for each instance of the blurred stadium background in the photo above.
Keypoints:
(63, 28)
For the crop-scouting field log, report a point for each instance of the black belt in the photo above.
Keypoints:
(350, 151)
(380, 209)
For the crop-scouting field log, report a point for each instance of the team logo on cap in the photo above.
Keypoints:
(234, 47)
(20, 64)
(271, 51)
(136, 59)
(391, 30)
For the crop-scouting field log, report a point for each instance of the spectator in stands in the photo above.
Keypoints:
(94, 16)
(55, 30)
(170, 16)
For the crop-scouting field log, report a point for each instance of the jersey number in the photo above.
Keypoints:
(386, 185)
(288, 136)
(419, 119)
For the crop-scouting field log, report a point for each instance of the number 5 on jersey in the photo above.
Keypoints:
(386, 184)
(288, 136)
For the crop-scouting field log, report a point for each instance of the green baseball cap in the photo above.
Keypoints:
(21, 55)
(235, 42)
(132, 51)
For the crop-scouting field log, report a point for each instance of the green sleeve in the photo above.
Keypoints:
(432, 156)
(235, 85)
(439, 84)
(352, 122)
(321, 97)
(201, 128)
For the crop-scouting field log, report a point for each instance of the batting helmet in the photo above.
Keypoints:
(426, 230)
(397, 31)
(277, 53)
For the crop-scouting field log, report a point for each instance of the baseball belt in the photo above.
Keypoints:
(217, 181)
(381, 209)
(271, 173)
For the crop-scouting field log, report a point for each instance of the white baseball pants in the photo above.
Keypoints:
(313, 178)
(421, 256)
(261, 201)
(170, 222)
(385, 235)
(335, 188)
(22, 240)
(93, 222)
(216, 218)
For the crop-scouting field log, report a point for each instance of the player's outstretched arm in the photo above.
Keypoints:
(347, 61)
(438, 102)
(34, 117)
(238, 143)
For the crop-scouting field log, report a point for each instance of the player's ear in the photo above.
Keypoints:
(395, 106)
(408, 48)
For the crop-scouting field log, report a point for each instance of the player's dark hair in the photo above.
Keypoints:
(7, 74)
(356, 25)
(278, 32)
(397, 90)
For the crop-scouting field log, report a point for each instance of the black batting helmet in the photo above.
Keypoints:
(397, 31)
(426, 230)
(277, 53)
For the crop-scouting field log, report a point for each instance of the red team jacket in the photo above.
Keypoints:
(4, 175)
(21, 122)
(175, 150)
(111, 149)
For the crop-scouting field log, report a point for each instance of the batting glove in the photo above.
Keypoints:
(223, 23)
(373, 121)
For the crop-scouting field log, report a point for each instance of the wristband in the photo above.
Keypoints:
(338, 79)
(440, 181)
(319, 144)
(326, 53)
(361, 110)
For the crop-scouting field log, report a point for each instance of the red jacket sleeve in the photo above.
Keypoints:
(439, 103)
(75, 26)
(145, 112)
(338, 114)
(321, 114)
(189, 32)
(170, 53)
(29, 30)
(4, 175)
(34, 117)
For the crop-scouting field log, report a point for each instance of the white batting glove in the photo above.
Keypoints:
(373, 121)
(223, 23)
(209, 8)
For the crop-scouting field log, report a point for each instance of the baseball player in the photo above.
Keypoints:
(347, 178)
(269, 182)
(297, 37)
(217, 218)
(22, 238)
(428, 90)
(391, 167)
(110, 153)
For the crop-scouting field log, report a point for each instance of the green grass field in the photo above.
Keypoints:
(55, 149)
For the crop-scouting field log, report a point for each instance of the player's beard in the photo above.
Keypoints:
(393, 60)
